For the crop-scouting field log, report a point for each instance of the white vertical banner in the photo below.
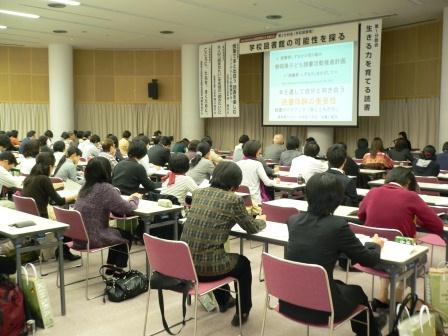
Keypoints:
(369, 68)
(205, 81)
(232, 78)
(218, 79)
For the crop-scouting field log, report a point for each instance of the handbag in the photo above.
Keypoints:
(12, 313)
(123, 285)
(160, 282)
(419, 325)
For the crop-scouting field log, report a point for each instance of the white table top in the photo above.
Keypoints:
(289, 185)
(71, 188)
(371, 171)
(422, 185)
(161, 172)
(443, 176)
(436, 200)
(151, 208)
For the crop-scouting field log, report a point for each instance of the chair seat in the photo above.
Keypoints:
(432, 239)
(371, 271)
(112, 216)
(355, 312)
(92, 250)
(208, 286)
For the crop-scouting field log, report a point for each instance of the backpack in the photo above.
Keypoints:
(12, 314)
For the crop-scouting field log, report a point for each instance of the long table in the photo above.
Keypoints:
(423, 185)
(429, 199)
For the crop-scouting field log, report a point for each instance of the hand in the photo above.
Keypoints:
(276, 169)
(137, 195)
(378, 240)
(58, 186)
(277, 180)
(262, 217)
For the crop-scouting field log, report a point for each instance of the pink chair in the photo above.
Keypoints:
(427, 179)
(284, 168)
(25, 204)
(173, 258)
(370, 231)
(283, 278)
(55, 179)
(359, 161)
(298, 194)
(288, 179)
(77, 231)
(247, 199)
(278, 214)
(433, 239)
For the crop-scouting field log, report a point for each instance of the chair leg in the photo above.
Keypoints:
(432, 253)
(264, 249)
(373, 286)
(196, 299)
(347, 269)
(263, 325)
(87, 275)
(308, 330)
(239, 305)
(147, 311)
(368, 323)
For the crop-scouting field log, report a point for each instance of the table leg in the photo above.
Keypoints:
(241, 246)
(61, 272)
(18, 246)
(147, 224)
(176, 226)
(393, 283)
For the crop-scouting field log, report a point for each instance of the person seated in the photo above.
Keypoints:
(123, 144)
(85, 140)
(350, 168)
(128, 174)
(442, 158)
(96, 200)
(31, 135)
(215, 158)
(58, 151)
(214, 211)
(43, 147)
(201, 168)
(363, 148)
(108, 152)
(192, 149)
(49, 134)
(377, 158)
(5, 143)
(181, 146)
(396, 205)
(66, 168)
(159, 154)
(30, 151)
(307, 165)
(318, 237)
(400, 152)
(337, 158)
(118, 156)
(238, 150)
(404, 136)
(7, 162)
(427, 165)
(177, 184)
(254, 175)
(91, 148)
(14, 137)
(291, 152)
(274, 150)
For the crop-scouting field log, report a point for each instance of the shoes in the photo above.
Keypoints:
(381, 321)
(236, 319)
(229, 304)
(378, 305)
(67, 254)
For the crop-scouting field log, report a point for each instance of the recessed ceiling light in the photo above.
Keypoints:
(66, 2)
(3, 27)
(56, 5)
(273, 17)
(59, 31)
(9, 12)
(166, 32)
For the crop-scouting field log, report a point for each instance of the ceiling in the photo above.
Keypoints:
(136, 24)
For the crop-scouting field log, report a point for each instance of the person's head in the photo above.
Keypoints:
(115, 140)
(98, 170)
(157, 133)
(137, 150)
(403, 135)
(165, 141)
(445, 147)
(59, 146)
(243, 139)
(310, 139)
(226, 176)
(156, 140)
(71, 136)
(292, 143)
(193, 145)
(5, 143)
(14, 133)
(311, 149)
(185, 141)
(64, 135)
(179, 163)
(49, 134)
(376, 146)
(363, 143)
(44, 164)
(208, 140)
(79, 134)
(42, 140)
(31, 134)
(202, 151)
(336, 156)
(108, 146)
(324, 193)
(252, 149)
(400, 144)
(95, 139)
(74, 154)
(31, 149)
(403, 176)
(7, 160)
(87, 134)
(429, 152)
(126, 134)
(278, 139)
(143, 138)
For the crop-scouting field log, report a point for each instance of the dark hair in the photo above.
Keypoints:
(79, 134)
(140, 134)
(403, 135)
(445, 146)
(143, 138)
(226, 175)
(95, 138)
(8, 156)
(42, 140)
(98, 170)
(165, 141)
(208, 140)
(137, 150)
(193, 145)
(156, 139)
(311, 149)
(87, 134)
(64, 135)
(310, 139)
(293, 142)
(70, 151)
(403, 176)
(376, 147)
(157, 133)
(336, 155)
(48, 134)
(31, 148)
(5, 141)
(363, 143)
(179, 163)
(126, 134)
(59, 146)
(107, 144)
(400, 144)
(30, 134)
(243, 139)
(14, 133)
(185, 141)
(114, 139)
(324, 193)
(251, 148)
(204, 149)
(429, 152)
(42, 167)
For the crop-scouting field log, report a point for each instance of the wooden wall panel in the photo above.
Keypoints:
(144, 62)
(20, 88)
(83, 62)
(39, 88)
(39, 61)
(20, 60)
(85, 88)
(104, 89)
(104, 63)
(124, 63)
(124, 89)
(4, 60)
(164, 63)
(4, 88)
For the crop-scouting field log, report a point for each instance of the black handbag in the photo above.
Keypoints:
(160, 282)
(123, 285)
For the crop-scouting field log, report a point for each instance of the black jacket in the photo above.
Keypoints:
(349, 184)
(159, 155)
(129, 174)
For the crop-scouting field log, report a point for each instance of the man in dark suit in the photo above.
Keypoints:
(337, 156)
(159, 154)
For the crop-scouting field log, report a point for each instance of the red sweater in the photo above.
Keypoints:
(393, 207)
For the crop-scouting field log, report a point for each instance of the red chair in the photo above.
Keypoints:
(298, 194)
(358, 161)
(26, 204)
(288, 179)
(283, 278)
(247, 199)
(427, 179)
(173, 258)
(77, 231)
(284, 168)
(370, 231)
(278, 214)
(433, 239)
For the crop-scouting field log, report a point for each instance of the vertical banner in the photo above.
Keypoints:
(218, 79)
(232, 78)
(205, 81)
(369, 68)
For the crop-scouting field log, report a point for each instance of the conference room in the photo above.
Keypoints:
(294, 152)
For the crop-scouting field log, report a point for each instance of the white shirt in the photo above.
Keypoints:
(90, 150)
(83, 144)
(26, 165)
(253, 172)
(58, 156)
(9, 181)
(180, 188)
(307, 166)
(149, 167)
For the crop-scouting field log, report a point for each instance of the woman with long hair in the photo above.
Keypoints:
(377, 157)
(201, 167)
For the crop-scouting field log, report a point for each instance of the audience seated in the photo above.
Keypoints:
(30, 151)
(118, 155)
(404, 136)
(273, 151)
(181, 146)
(201, 168)
(159, 154)
(49, 135)
(7, 162)
(215, 158)
(192, 149)
(427, 165)
(66, 168)
(363, 148)
(377, 158)
(85, 140)
(31, 135)
(58, 151)
(291, 152)
(14, 137)
(124, 143)
(108, 152)
(43, 147)
(5, 143)
(91, 147)
(238, 150)
(350, 167)
(307, 165)
(442, 158)
(400, 152)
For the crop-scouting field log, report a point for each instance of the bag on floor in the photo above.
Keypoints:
(421, 324)
(437, 290)
(12, 314)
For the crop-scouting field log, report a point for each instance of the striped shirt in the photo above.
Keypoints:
(180, 188)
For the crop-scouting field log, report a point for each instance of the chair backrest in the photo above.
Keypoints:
(427, 179)
(300, 284)
(278, 214)
(439, 209)
(170, 257)
(284, 168)
(357, 160)
(26, 204)
(77, 229)
(247, 200)
(370, 231)
(55, 179)
(288, 179)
